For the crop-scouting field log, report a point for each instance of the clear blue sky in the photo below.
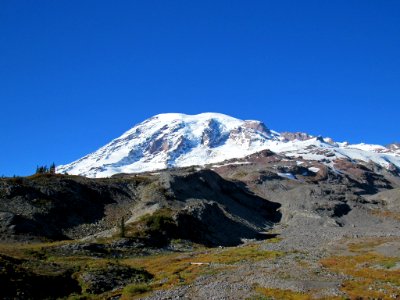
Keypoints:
(76, 74)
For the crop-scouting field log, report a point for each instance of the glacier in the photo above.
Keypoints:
(178, 140)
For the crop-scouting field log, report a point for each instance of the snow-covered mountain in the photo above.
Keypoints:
(178, 140)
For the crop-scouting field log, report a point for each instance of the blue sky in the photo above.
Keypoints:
(76, 74)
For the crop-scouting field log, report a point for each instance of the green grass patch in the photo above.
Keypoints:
(158, 226)
(282, 294)
(135, 289)
(371, 273)
(183, 268)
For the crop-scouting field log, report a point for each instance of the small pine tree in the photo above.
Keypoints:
(42, 170)
(52, 169)
(122, 230)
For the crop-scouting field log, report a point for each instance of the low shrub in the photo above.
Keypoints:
(136, 289)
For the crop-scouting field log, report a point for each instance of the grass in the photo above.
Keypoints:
(37, 260)
(282, 294)
(169, 269)
(177, 268)
(367, 244)
(274, 240)
(158, 220)
(135, 289)
(27, 251)
(371, 274)
(389, 264)
(233, 255)
(159, 223)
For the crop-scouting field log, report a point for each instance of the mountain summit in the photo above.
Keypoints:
(175, 140)
(179, 140)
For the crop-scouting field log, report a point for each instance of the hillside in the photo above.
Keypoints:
(265, 225)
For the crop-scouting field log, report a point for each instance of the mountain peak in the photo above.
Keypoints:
(180, 140)
(175, 140)
(198, 118)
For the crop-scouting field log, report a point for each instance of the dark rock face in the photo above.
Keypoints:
(225, 210)
(212, 135)
(363, 177)
(7, 222)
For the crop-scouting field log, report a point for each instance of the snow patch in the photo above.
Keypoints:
(287, 175)
(314, 169)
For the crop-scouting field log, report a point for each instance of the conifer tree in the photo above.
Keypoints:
(52, 169)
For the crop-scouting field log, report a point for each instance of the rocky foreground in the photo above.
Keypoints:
(263, 227)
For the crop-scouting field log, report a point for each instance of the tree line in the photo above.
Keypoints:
(46, 170)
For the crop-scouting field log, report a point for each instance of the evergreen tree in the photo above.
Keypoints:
(42, 170)
(122, 227)
(52, 169)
